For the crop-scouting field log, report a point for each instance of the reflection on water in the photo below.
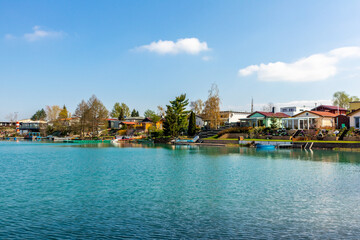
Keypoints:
(101, 191)
(308, 155)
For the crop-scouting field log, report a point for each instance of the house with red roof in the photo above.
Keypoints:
(263, 119)
(316, 120)
(332, 109)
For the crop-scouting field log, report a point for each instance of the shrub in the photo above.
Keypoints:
(235, 130)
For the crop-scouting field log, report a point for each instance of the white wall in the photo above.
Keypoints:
(199, 121)
(235, 116)
(291, 111)
(352, 119)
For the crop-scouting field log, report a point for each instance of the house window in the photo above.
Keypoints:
(357, 122)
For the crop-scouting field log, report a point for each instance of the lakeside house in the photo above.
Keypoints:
(232, 117)
(316, 119)
(28, 126)
(7, 124)
(291, 111)
(332, 109)
(354, 117)
(199, 121)
(263, 119)
(133, 124)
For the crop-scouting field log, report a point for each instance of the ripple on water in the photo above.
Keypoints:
(51, 191)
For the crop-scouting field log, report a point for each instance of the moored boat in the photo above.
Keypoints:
(265, 147)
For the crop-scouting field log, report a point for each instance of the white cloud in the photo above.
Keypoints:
(185, 45)
(206, 58)
(316, 67)
(9, 36)
(39, 34)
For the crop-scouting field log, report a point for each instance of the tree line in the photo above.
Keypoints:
(91, 116)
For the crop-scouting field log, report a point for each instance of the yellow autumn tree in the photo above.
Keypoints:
(211, 112)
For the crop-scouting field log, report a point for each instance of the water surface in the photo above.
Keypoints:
(67, 191)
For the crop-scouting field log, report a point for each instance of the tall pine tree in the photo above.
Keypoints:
(134, 113)
(192, 124)
(176, 121)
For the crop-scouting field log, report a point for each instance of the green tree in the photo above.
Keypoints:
(62, 124)
(134, 113)
(152, 115)
(64, 113)
(342, 99)
(192, 124)
(115, 113)
(39, 115)
(176, 116)
(121, 115)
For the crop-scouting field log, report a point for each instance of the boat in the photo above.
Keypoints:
(122, 139)
(186, 141)
(32, 136)
(265, 147)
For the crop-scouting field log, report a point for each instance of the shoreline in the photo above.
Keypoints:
(349, 146)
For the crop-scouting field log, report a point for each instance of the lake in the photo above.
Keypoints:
(68, 191)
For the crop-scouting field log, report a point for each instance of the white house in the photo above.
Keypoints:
(232, 116)
(292, 111)
(355, 119)
(311, 120)
(199, 121)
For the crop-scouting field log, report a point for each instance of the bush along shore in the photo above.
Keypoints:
(316, 139)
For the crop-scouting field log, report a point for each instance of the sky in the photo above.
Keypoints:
(145, 53)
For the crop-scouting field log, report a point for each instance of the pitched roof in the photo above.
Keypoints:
(353, 112)
(271, 114)
(129, 123)
(319, 113)
(147, 119)
(330, 107)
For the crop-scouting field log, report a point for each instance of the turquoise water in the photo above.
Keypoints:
(58, 191)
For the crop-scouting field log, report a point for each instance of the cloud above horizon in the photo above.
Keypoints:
(38, 34)
(191, 46)
(317, 67)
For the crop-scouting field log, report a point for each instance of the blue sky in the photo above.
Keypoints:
(285, 52)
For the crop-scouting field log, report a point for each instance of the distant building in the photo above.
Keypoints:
(7, 124)
(29, 126)
(291, 111)
(332, 109)
(229, 117)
